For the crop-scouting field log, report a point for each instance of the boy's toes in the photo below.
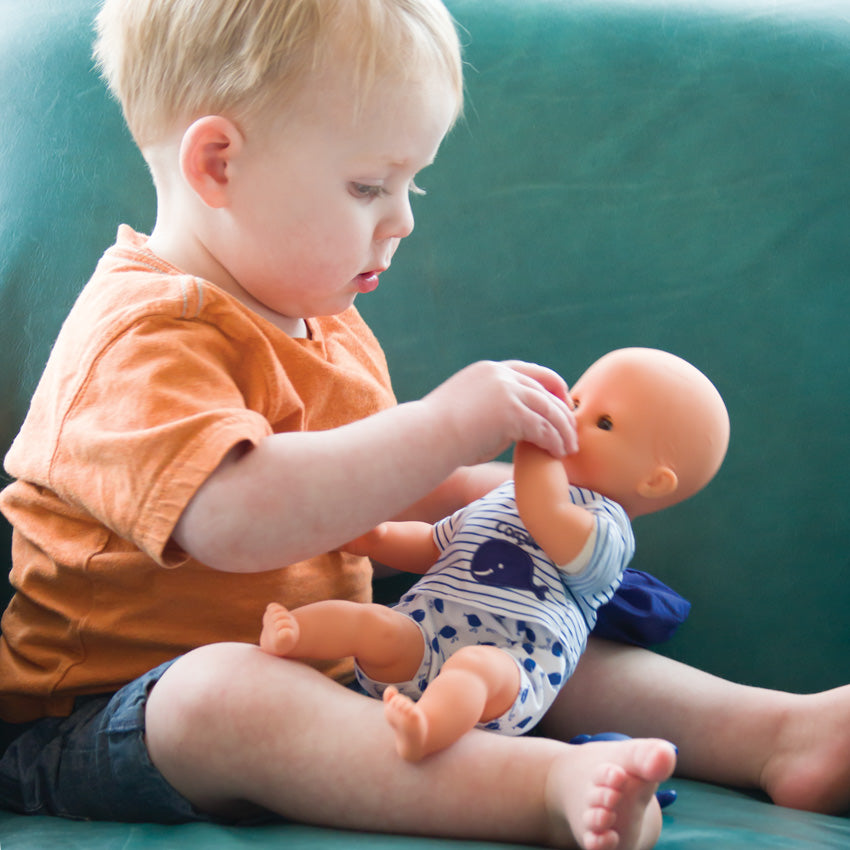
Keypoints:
(600, 819)
(605, 797)
(610, 777)
(654, 760)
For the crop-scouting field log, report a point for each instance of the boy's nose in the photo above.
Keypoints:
(398, 222)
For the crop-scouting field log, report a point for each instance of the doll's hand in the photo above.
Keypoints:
(407, 546)
(365, 544)
(487, 406)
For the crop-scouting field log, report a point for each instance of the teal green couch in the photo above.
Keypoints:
(652, 172)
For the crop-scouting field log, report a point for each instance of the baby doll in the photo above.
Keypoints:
(511, 583)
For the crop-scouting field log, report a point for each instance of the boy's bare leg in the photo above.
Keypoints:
(477, 683)
(796, 748)
(388, 645)
(232, 727)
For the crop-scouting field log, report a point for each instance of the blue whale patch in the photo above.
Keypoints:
(499, 563)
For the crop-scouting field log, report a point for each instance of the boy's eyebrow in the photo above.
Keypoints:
(395, 162)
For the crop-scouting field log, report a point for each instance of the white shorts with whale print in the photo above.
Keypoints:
(447, 626)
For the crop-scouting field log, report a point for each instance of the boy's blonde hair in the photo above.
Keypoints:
(173, 61)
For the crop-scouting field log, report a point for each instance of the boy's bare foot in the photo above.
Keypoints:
(280, 631)
(810, 766)
(408, 723)
(602, 795)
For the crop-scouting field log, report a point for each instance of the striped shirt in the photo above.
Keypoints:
(489, 561)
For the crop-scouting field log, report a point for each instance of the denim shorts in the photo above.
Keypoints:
(93, 764)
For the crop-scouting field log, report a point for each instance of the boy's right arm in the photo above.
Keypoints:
(297, 495)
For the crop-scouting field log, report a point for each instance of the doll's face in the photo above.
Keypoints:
(652, 429)
(618, 416)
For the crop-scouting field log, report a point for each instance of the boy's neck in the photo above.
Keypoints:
(189, 256)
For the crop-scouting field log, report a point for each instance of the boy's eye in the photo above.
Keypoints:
(372, 190)
(604, 423)
(367, 190)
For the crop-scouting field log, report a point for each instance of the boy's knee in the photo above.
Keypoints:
(196, 693)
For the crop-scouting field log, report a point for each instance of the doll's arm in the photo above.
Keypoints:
(406, 546)
(463, 486)
(559, 527)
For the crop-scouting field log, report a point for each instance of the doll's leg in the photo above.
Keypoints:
(477, 683)
(794, 747)
(229, 724)
(387, 644)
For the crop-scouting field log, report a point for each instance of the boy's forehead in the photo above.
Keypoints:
(389, 121)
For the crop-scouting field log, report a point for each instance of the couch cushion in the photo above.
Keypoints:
(703, 818)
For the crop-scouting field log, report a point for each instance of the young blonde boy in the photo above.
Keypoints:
(215, 416)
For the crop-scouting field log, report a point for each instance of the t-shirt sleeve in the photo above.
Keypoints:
(154, 415)
(444, 529)
(608, 550)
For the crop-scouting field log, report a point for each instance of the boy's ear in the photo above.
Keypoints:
(206, 152)
(662, 482)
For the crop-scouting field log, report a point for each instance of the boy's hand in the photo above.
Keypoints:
(490, 405)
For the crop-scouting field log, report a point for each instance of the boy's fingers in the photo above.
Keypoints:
(561, 423)
(548, 378)
(558, 428)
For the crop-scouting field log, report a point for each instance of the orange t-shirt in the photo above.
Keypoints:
(154, 377)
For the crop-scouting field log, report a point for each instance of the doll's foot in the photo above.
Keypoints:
(408, 723)
(280, 631)
(809, 768)
(602, 795)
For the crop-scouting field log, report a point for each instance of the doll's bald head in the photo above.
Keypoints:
(653, 429)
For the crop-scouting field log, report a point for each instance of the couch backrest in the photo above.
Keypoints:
(657, 172)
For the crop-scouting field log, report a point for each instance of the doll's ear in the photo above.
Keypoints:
(207, 150)
(662, 482)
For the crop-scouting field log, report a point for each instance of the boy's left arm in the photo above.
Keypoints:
(559, 527)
